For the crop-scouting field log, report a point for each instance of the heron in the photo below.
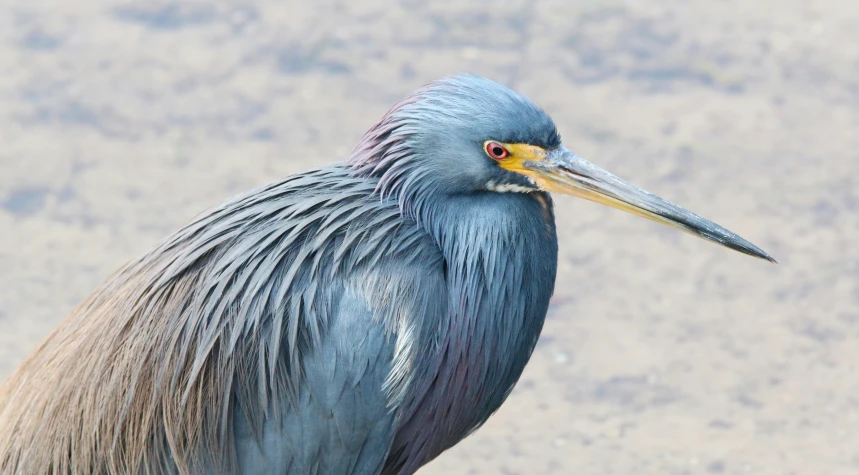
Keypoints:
(356, 318)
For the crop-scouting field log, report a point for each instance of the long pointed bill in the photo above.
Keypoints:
(564, 172)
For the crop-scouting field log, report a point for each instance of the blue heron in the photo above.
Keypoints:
(358, 318)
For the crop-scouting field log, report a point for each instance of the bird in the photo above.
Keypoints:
(357, 318)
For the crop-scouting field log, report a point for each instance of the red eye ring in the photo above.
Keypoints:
(496, 151)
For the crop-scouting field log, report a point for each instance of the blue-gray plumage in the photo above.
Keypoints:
(359, 318)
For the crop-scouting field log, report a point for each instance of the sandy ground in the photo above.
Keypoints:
(663, 354)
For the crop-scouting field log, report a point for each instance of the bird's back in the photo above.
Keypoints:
(273, 334)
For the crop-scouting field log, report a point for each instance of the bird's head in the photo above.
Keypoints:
(466, 134)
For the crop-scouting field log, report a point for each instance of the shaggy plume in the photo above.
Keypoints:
(141, 376)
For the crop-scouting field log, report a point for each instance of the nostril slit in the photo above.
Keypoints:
(570, 171)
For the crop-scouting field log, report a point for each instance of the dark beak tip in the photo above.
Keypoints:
(755, 251)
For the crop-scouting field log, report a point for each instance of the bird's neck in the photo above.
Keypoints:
(500, 255)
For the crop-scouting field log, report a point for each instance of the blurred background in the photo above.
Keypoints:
(121, 120)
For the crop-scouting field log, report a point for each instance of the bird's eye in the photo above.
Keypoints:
(496, 151)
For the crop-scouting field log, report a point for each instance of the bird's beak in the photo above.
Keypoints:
(562, 171)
